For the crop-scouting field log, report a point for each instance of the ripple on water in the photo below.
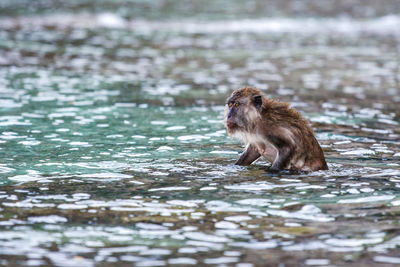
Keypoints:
(261, 186)
(307, 212)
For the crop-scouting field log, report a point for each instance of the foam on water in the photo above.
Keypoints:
(383, 25)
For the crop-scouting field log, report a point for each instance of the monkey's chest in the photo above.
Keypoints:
(264, 147)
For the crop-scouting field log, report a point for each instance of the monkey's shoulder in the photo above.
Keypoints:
(277, 111)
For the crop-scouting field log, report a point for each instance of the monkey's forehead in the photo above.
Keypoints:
(246, 91)
(234, 98)
(243, 92)
(238, 93)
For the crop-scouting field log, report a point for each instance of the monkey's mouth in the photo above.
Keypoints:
(232, 127)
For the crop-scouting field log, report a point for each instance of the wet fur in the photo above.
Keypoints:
(272, 129)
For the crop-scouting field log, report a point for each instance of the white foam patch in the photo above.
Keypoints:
(318, 262)
(182, 261)
(206, 237)
(366, 199)
(382, 25)
(47, 219)
(257, 245)
(387, 172)
(172, 188)
(110, 20)
(105, 175)
(226, 225)
(359, 152)
(224, 152)
(175, 128)
(307, 212)
(71, 206)
(387, 259)
(352, 242)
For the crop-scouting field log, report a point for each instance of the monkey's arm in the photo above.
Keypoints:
(285, 146)
(282, 160)
(248, 156)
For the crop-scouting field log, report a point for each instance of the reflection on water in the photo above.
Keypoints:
(113, 148)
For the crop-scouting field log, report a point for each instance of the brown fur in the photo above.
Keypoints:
(274, 130)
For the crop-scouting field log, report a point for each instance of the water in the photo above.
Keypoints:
(113, 149)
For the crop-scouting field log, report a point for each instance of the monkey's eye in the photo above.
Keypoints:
(230, 105)
(236, 105)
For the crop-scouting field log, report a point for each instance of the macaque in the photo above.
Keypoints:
(272, 129)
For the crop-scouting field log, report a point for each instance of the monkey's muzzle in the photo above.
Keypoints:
(231, 123)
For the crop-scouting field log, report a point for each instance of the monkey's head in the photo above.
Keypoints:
(242, 110)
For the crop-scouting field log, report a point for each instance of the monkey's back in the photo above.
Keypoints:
(307, 153)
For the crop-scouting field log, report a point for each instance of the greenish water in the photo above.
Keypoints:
(113, 150)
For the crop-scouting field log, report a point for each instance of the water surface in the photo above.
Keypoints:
(113, 149)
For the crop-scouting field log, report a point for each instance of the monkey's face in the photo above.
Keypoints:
(234, 117)
(241, 113)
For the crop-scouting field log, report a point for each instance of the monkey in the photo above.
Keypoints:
(272, 129)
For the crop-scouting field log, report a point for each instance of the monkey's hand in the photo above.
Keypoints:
(284, 155)
(249, 155)
(273, 169)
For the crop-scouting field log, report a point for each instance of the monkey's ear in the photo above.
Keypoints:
(257, 101)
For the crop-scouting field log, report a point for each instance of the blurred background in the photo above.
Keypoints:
(113, 149)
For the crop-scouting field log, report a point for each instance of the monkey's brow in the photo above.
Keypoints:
(232, 100)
